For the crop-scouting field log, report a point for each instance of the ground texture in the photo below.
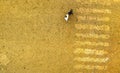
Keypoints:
(35, 38)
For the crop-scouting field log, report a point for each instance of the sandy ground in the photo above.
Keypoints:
(34, 37)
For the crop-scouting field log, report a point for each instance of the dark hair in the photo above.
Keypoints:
(70, 12)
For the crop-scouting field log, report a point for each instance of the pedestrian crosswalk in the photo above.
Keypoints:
(92, 36)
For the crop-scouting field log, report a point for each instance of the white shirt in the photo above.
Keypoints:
(66, 17)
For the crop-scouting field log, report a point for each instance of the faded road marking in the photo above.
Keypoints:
(93, 10)
(93, 27)
(91, 59)
(89, 35)
(90, 51)
(84, 43)
(80, 66)
(93, 18)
